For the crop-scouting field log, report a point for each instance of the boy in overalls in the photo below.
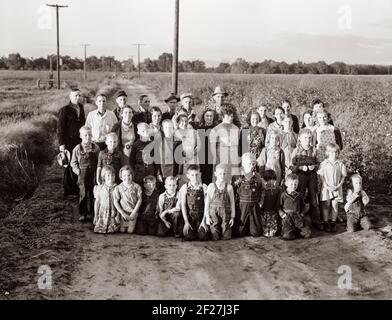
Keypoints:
(249, 192)
(220, 206)
(84, 165)
(192, 205)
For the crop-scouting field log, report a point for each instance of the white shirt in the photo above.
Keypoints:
(101, 125)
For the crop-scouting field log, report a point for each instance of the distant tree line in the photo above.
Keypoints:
(15, 61)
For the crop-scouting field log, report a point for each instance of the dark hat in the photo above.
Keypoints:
(121, 94)
(64, 158)
(171, 97)
(75, 89)
(220, 90)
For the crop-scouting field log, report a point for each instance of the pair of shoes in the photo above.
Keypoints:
(82, 219)
(333, 227)
(319, 225)
(327, 227)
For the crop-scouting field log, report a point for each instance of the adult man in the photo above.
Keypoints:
(286, 106)
(219, 96)
(70, 119)
(143, 112)
(121, 100)
(187, 104)
(172, 103)
(101, 121)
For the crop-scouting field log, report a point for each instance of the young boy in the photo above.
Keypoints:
(291, 210)
(270, 209)
(220, 206)
(357, 200)
(147, 220)
(192, 205)
(169, 210)
(111, 156)
(84, 165)
(142, 155)
(127, 200)
(249, 191)
(304, 164)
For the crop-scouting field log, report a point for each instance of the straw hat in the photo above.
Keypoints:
(186, 95)
(219, 90)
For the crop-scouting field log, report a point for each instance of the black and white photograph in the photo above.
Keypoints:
(195, 150)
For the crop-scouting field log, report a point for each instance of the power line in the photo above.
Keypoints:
(85, 60)
(58, 39)
(138, 55)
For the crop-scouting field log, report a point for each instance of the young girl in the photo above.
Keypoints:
(270, 208)
(289, 140)
(286, 106)
(127, 200)
(84, 164)
(357, 200)
(308, 121)
(111, 156)
(265, 121)
(155, 125)
(332, 172)
(277, 125)
(272, 157)
(253, 137)
(324, 134)
(208, 121)
(220, 206)
(107, 218)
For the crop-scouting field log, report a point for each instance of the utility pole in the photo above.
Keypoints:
(138, 55)
(85, 60)
(175, 51)
(58, 40)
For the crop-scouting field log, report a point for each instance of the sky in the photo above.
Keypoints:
(353, 31)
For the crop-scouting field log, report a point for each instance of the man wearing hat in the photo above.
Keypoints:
(70, 119)
(143, 112)
(121, 100)
(219, 96)
(172, 103)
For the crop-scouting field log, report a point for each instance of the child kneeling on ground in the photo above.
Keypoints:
(220, 205)
(147, 220)
(169, 210)
(127, 200)
(292, 210)
(192, 205)
(270, 219)
(357, 200)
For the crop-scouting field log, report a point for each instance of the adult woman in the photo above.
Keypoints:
(126, 133)
(277, 125)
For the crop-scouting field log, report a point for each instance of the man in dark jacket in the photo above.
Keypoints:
(70, 119)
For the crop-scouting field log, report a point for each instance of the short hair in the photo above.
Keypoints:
(309, 112)
(111, 135)
(273, 132)
(278, 108)
(142, 125)
(181, 116)
(270, 175)
(286, 101)
(84, 128)
(317, 101)
(193, 167)
(356, 176)
(249, 157)
(156, 109)
(221, 166)
(149, 179)
(305, 131)
(171, 179)
(101, 95)
(182, 109)
(332, 146)
(141, 98)
(167, 121)
(292, 177)
(228, 109)
(107, 169)
(249, 116)
(126, 168)
(128, 107)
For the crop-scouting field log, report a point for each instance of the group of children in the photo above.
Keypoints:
(287, 182)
